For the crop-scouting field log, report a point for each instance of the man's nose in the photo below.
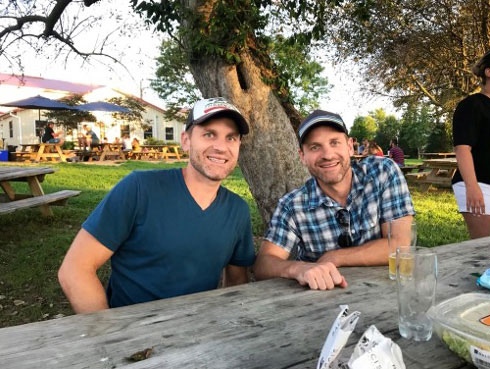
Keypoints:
(220, 143)
(326, 153)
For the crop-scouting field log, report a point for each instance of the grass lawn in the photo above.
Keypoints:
(32, 247)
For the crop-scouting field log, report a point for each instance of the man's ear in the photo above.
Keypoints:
(350, 143)
(301, 155)
(185, 141)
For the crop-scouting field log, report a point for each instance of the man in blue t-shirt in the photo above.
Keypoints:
(168, 232)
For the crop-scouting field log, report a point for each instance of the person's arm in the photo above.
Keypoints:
(272, 261)
(474, 196)
(234, 275)
(78, 273)
(373, 252)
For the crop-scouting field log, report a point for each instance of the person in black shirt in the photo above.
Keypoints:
(50, 136)
(471, 138)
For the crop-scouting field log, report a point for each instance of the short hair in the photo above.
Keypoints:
(395, 141)
(480, 67)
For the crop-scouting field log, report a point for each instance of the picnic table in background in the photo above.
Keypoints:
(114, 151)
(43, 152)
(33, 176)
(270, 324)
(157, 152)
(438, 172)
(438, 155)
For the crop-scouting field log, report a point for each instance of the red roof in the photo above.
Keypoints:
(48, 84)
(63, 86)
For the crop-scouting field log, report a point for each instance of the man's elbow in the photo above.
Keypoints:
(64, 277)
(259, 269)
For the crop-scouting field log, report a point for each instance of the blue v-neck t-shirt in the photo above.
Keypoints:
(164, 244)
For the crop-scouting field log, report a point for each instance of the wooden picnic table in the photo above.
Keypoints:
(113, 151)
(33, 176)
(42, 152)
(438, 155)
(157, 152)
(270, 324)
(438, 172)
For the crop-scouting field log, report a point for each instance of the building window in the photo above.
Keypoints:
(148, 132)
(169, 133)
(125, 130)
(11, 129)
(40, 124)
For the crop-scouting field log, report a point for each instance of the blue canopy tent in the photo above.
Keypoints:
(37, 102)
(102, 106)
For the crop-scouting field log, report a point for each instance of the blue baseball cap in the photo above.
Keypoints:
(320, 117)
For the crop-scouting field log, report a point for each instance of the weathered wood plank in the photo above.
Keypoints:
(270, 324)
(11, 173)
(37, 200)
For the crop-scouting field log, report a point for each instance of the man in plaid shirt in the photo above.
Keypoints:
(340, 216)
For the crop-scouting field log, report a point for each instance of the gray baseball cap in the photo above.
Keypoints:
(203, 110)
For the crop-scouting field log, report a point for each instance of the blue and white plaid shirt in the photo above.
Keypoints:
(305, 217)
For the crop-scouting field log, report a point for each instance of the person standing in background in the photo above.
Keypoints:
(471, 139)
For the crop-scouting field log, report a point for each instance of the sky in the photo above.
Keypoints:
(137, 47)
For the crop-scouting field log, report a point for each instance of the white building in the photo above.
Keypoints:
(26, 125)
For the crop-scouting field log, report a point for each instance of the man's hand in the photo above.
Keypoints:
(273, 262)
(318, 276)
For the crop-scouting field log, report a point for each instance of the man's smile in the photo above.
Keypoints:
(216, 160)
(328, 165)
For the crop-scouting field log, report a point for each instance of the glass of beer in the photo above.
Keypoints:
(402, 235)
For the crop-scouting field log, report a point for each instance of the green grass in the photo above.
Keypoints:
(32, 247)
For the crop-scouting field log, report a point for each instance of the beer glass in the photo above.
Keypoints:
(402, 233)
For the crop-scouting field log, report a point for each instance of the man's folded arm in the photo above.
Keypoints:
(78, 273)
(371, 253)
(234, 275)
(272, 262)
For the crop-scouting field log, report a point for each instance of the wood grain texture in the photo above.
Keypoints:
(269, 324)
(37, 200)
(11, 173)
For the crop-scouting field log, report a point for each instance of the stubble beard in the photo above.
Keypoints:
(329, 179)
(197, 163)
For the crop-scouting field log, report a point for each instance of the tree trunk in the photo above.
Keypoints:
(269, 156)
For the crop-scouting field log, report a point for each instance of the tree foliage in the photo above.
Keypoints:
(174, 82)
(387, 127)
(135, 107)
(416, 51)
(417, 123)
(70, 118)
(228, 28)
(302, 75)
(363, 128)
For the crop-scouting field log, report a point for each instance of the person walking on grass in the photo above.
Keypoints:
(168, 232)
(340, 216)
(471, 139)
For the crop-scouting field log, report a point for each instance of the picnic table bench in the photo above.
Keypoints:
(438, 155)
(437, 172)
(411, 168)
(33, 176)
(270, 324)
(36, 152)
